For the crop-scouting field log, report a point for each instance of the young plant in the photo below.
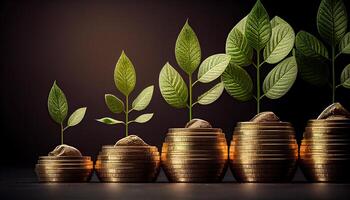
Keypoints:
(188, 56)
(271, 41)
(125, 81)
(312, 55)
(58, 109)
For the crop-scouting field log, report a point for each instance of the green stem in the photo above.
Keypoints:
(126, 115)
(258, 81)
(333, 74)
(190, 104)
(62, 133)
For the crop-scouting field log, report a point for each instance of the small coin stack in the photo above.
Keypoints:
(263, 152)
(64, 168)
(128, 164)
(195, 155)
(325, 150)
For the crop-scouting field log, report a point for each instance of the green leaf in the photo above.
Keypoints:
(237, 83)
(345, 77)
(344, 45)
(280, 44)
(187, 49)
(332, 20)
(277, 21)
(172, 87)
(237, 47)
(76, 116)
(241, 25)
(108, 120)
(211, 95)
(143, 118)
(281, 78)
(124, 75)
(114, 104)
(310, 46)
(258, 27)
(312, 70)
(143, 99)
(212, 67)
(57, 104)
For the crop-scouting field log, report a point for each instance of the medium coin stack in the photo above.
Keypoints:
(128, 164)
(263, 152)
(64, 168)
(195, 155)
(325, 150)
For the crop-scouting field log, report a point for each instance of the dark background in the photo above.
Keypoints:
(78, 43)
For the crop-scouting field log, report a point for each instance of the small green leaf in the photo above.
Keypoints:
(237, 47)
(114, 104)
(237, 83)
(110, 121)
(57, 104)
(187, 49)
(277, 21)
(211, 95)
(143, 99)
(172, 87)
(258, 27)
(344, 45)
(281, 78)
(143, 118)
(212, 67)
(76, 116)
(345, 77)
(124, 75)
(280, 44)
(332, 21)
(241, 25)
(310, 46)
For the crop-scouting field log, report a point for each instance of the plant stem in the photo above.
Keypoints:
(190, 104)
(126, 115)
(258, 81)
(333, 74)
(62, 133)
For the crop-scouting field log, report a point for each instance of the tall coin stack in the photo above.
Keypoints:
(325, 150)
(128, 164)
(263, 152)
(64, 168)
(195, 155)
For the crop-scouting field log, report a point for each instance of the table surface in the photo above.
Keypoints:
(22, 184)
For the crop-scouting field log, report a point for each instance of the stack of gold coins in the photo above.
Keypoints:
(128, 164)
(195, 155)
(64, 168)
(263, 152)
(325, 150)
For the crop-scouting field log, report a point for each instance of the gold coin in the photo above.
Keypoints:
(177, 130)
(64, 158)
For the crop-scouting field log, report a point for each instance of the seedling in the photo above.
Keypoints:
(188, 56)
(314, 58)
(125, 81)
(271, 42)
(58, 109)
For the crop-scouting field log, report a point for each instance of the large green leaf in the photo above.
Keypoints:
(312, 70)
(281, 78)
(237, 83)
(280, 44)
(258, 27)
(172, 87)
(124, 75)
(332, 20)
(344, 45)
(237, 47)
(187, 49)
(76, 116)
(277, 21)
(114, 104)
(143, 99)
(143, 118)
(57, 104)
(345, 77)
(211, 95)
(212, 67)
(110, 121)
(241, 25)
(310, 46)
